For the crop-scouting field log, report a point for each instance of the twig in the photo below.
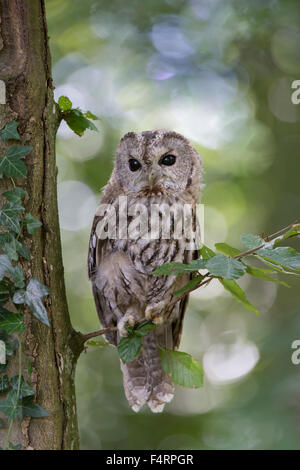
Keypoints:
(267, 239)
(93, 334)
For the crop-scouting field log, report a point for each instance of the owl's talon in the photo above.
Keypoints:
(158, 320)
(154, 313)
(127, 319)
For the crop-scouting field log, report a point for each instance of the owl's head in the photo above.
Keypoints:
(157, 162)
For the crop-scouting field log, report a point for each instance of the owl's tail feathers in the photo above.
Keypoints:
(145, 381)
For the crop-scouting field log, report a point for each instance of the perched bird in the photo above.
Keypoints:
(152, 168)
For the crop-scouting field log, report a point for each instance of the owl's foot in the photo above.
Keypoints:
(128, 319)
(154, 313)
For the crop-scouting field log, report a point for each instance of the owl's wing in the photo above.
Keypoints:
(97, 248)
(178, 323)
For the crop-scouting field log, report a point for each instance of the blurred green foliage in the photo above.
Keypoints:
(221, 74)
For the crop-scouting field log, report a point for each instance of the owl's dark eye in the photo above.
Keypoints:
(168, 160)
(134, 164)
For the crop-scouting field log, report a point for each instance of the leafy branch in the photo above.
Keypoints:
(77, 120)
(226, 267)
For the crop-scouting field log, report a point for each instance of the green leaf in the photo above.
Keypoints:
(9, 216)
(12, 322)
(12, 446)
(64, 103)
(25, 389)
(13, 407)
(265, 275)
(89, 115)
(32, 223)
(129, 347)
(78, 123)
(32, 297)
(237, 293)
(251, 241)
(23, 250)
(10, 131)
(192, 283)
(11, 343)
(9, 406)
(15, 272)
(15, 195)
(293, 232)
(3, 383)
(97, 344)
(206, 252)
(11, 164)
(175, 268)
(181, 368)
(226, 267)
(284, 256)
(227, 249)
(144, 328)
(13, 247)
(29, 408)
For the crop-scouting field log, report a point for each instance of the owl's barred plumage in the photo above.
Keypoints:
(120, 268)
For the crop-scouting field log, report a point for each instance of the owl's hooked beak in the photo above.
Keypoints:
(150, 179)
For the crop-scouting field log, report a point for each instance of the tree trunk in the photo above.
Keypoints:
(25, 74)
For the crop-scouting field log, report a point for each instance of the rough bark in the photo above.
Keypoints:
(26, 71)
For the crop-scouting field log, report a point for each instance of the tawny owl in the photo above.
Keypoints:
(151, 168)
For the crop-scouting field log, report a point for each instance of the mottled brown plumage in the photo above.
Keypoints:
(120, 269)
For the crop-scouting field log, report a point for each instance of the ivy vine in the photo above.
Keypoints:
(16, 293)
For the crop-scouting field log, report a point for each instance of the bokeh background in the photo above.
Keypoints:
(220, 72)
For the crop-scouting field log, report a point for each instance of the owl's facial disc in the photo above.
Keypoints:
(154, 162)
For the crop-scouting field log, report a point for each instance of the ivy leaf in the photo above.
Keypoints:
(10, 131)
(237, 293)
(3, 383)
(265, 275)
(9, 406)
(64, 103)
(251, 241)
(32, 223)
(227, 249)
(25, 389)
(11, 344)
(12, 446)
(32, 297)
(15, 272)
(12, 322)
(11, 164)
(284, 256)
(29, 408)
(129, 347)
(9, 246)
(15, 195)
(23, 250)
(192, 283)
(181, 368)
(9, 216)
(226, 267)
